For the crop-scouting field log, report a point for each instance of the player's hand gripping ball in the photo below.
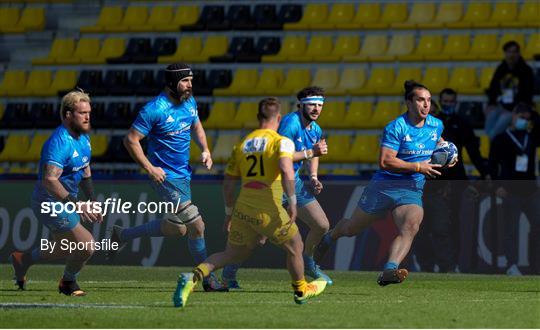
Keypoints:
(446, 154)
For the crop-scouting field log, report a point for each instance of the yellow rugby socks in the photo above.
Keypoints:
(300, 287)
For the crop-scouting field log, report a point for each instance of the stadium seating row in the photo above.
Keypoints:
(226, 115)
(165, 18)
(13, 20)
(353, 81)
(345, 148)
(422, 15)
(293, 48)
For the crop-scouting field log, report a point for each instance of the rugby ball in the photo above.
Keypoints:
(445, 153)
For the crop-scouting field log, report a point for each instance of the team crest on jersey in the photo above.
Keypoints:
(257, 144)
(434, 136)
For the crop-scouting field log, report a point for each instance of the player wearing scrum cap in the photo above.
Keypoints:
(301, 128)
(169, 121)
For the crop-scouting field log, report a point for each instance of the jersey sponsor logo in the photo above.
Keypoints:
(286, 146)
(75, 154)
(420, 146)
(183, 127)
(170, 119)
(416, 152)
(407, 138)
(85, 159)
(75, 169)
(257, 144)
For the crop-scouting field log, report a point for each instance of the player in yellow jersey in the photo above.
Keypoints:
(263, 162)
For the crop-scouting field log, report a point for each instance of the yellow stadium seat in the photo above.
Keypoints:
(381, 78)
(374, 45)
(270, 79)
(499, 54)
(16, 145)
(345, 45)
(345, 171)
(292, 46)
(385, 112)
(215, 45)
(318, 46)
(429, 45)
(464, 81)
(32, 19)
(9, 17)
(455, 45)
(314, 13)
(186, 15)
(243, 80)
(352, 80)
(504, 15)
(333, 115)
(38, 83)
(195, 151)
(87, 48)
(483, 45)
(64, 80)
(340, 13)
(405, 73)
(220, 115)
(436, 79)
(400, 45)
(327, 78)
(359, 115)
(34, 151)
(224, 145)
(532, 47)
(112, 47)
(477, 13)
(392, 13)
(14, 83)
(159, 19)
(339, 148)
(296, 80)
(421, 13)
(134, 19)
(529, 13)
(99, 143)
(365, 149)
(188, 47)
(287, 107)
(108, 17)
(246, 115)
(367, 13)
(61, 48)
(447, 13)
(484, 146)
(485, 77)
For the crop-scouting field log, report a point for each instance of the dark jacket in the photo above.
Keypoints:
(520, 80)
(502, 162)
(458, 131)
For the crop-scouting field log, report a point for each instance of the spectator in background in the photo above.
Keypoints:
(512, 83)
(440, 233)
(512, 164)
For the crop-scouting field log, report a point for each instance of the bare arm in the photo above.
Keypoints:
(51, 182)
(388, 161)
(229, 185)
(288, 183)
(132, 142)
(320, 148)
(200, 138)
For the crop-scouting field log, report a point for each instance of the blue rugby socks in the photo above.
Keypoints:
(151, 229)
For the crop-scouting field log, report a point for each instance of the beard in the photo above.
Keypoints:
(307, 116)
(80, 128)
(185, 94)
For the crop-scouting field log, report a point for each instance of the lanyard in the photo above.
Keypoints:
(520, 146)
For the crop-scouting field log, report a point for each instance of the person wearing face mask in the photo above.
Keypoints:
(438, 240)
(512, 83)
(512, 167)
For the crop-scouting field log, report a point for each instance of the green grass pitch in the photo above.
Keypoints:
(136, 297)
